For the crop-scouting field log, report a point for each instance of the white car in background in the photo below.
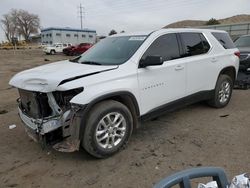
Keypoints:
(56, 48)
(43, 45)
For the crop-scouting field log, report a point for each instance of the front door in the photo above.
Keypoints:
(164, 83)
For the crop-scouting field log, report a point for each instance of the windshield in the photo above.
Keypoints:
(243, 41)
(112, 50)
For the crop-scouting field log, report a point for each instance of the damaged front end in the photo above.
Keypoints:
(50, 119)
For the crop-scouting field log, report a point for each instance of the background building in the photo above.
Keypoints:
(67, 35)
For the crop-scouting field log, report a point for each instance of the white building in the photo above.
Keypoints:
(53, 35)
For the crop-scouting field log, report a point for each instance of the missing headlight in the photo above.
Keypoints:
(63, 97)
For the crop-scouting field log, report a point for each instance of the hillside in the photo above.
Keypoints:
(194, 23)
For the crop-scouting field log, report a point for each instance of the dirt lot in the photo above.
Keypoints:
(194, 136)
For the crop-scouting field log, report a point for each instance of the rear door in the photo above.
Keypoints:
(199, 63)
(163, 83)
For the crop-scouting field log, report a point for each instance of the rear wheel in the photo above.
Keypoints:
(222, 93)
(108, 129)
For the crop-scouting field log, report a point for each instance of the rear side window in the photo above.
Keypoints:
(224, 40)
(194, 44)
(165, 46)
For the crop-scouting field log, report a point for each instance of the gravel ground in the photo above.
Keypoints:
(193, 136)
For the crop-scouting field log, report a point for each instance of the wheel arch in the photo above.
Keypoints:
(230, 71)
(124, 97)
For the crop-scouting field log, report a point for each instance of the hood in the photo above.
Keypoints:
(46, 78)
(244, 49)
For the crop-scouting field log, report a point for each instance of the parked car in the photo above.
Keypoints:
(56, 48)
(97, 99)
(78, 49)
(43, 45)
(243, 44)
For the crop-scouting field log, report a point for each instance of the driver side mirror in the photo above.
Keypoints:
(151, 61)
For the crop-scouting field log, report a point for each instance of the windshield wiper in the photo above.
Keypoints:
(90, 63)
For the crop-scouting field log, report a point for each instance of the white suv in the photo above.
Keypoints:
(56, 48)
(99, 98)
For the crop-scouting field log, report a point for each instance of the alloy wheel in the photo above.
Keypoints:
(224, 92)
(110, 130)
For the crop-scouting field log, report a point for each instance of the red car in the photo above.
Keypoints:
(78, 49)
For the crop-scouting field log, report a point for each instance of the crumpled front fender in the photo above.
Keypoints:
(76, 130)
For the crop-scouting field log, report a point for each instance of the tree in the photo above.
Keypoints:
(122, 31)
(212, 21)
(20, 22)
(8, 26)
(112, 32)
(28, 23)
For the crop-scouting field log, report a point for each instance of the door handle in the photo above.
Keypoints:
(179, 67)
(213, 60)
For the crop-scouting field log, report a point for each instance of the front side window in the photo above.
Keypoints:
(165, 46)
(193, 44)
(112, 50)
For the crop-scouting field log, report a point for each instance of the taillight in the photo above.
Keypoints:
(237, 54)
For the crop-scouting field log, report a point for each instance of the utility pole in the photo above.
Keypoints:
(81, 13)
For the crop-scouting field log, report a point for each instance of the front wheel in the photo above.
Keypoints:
(108, 129)
(52, 52)
(223, 92)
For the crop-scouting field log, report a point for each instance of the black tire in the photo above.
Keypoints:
(215, 100)
(96, 114)
(52, 52)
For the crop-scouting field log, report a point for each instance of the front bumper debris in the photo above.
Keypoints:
(39, 125)
(72, 143)
(62, 133)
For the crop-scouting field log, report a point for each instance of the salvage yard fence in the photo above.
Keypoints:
(235, 30)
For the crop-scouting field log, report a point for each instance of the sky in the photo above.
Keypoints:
(127, 15)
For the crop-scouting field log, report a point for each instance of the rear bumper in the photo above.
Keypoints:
(243, 80)
(244, 62)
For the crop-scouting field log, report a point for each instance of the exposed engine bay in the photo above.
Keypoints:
(48, 117)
